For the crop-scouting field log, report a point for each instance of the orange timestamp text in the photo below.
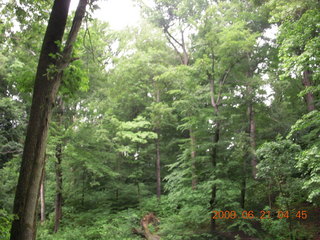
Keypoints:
(301, 214)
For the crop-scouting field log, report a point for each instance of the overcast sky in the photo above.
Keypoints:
(119, 13)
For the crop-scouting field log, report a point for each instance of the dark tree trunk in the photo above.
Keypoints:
(252, 135)
(58, 170)
(45, 89)
(193, 162)
(250, 152)
(158, 166)
(83, 188)
(119, 177)
(157, 142)
(44, 94)
(269, 195)
(309, 98)
(42, 199)
(243, 183)
(214, 153)
(58, 200)
(216, 137)
(138, 191)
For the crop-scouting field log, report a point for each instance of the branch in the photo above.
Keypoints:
(87, 31)
(213, 102)
(185, 54)
(211, 81)
(76, 24)
(13, 151)
(169, 34)
(221, 83)
(175, 48)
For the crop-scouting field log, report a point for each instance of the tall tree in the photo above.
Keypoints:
(58, 170)
(174, 18)
(48, 78)
(298, 40)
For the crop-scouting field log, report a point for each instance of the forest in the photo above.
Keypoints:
(201, 122)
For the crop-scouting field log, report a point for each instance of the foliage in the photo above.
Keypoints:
(127, 99)
(298, 41)
(5, 224)
(306, 132)
(102, 226)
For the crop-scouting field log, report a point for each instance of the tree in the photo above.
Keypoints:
(48, 78)
(298, 41)
(305, 132)
(193, 89)
(174, 18)
(277, 166)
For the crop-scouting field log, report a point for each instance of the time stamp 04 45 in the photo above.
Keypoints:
(300, 214)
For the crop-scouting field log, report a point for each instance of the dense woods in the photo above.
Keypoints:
(200, 123)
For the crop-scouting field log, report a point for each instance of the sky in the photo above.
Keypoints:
(119, 13)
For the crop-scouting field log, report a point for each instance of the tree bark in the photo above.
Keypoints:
(252, 135)
(243, 183)
(158, 166)
(138, 191)
(83, 188)
(58, 200)
(193, 156)
(216, 138)
(309, 98)
(184, 56)
(157, 142)
(47, 81)
(150, 218)
(214, 154)
(58, 170)
(42, 199)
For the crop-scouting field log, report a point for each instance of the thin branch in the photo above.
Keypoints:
(221, 83)
(169, 34)
(13, 151)
(185, 54)
(175, 48)
(87, 32)
(213, 102)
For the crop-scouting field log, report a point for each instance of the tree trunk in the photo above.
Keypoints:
(309, 98)
(158, 166)
(138, 191)
(157, 125)
(193, 156)
(83, 188)
(42, 199)
(58, 170)
(269, 195)
(244, 183)
(216, 138)
(214, 154)
(58, 200)
(24, 228)
(44, 94)
(252, 135)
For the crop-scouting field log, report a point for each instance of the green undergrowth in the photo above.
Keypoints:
(93, 224)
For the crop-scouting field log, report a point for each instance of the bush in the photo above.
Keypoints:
(5, 224)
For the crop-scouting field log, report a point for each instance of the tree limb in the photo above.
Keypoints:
(172, 37)
(221, 83)
(175, 48)
(76, 24)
